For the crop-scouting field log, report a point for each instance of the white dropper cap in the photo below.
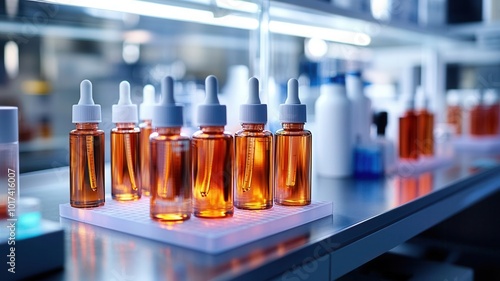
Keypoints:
(86, 111)
(253, 112)
(292, 111)
(211, 112)
(125, 111)
(9, 131)
(148, 103)
(167, 114)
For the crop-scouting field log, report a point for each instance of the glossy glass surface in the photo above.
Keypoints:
(361, 208)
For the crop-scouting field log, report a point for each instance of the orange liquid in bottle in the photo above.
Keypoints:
(478, 120)
(408, 136)
(293, 165)
(493, 116)
(454, 117)
(171, 175)
(253, 171)
(125, 173)
(212, 154)
(425, 136)
(145, 156)
(86, 166)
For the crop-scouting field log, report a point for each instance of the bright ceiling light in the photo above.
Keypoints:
(328, 34)
(157, 10)
(316, 48)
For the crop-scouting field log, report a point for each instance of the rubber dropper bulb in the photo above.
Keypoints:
(125, 111)
(293, 92)
(86, 93)
(86, 111)
(124, 94)
(253, 91)
(167, 114)
(211, 112)
(253, 112)
(148, 102)
(167, 91)
(292, 111)
(148, 94)
(212, 89)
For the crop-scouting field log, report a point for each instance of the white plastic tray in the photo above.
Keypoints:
(206, 235)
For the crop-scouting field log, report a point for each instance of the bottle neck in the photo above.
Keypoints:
(147, 122)
(169, 131)
(252, 127)
(293, 126)
(212, 129)
(87, 126)
(125, 125)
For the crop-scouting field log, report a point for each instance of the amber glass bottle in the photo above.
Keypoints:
(408, 148)
(293, 153)
(86, 155)
(212, 158)
(254, 155)
(425, 130)
(146, 115)
(125, 173)
(171, 189)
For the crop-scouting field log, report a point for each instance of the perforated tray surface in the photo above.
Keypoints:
(206, 235)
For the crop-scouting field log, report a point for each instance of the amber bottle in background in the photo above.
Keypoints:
(212, 158)
(146, 115)
(408, 149)
(477, 115)
(293, 152)
(425, 130)
(171, 187)
(492, 113)
(125, 173)
(86, 155)
(454, 114)
(253, 155)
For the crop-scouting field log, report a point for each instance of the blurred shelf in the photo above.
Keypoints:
(385, 33)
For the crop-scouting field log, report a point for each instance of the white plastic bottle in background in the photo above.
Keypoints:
(334, 155)
(9, 161)
(361, 108)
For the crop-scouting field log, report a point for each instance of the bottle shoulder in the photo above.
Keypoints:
(155, 136)
(282, 132)
(77, 132)
(245, 133)
(215, 135)
(133, 130)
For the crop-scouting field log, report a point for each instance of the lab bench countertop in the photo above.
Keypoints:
(370, 217)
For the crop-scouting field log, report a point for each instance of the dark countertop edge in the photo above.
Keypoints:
(351, 235)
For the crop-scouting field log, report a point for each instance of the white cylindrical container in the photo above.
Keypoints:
(361, 113)
(9, 162)
(334, 149)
